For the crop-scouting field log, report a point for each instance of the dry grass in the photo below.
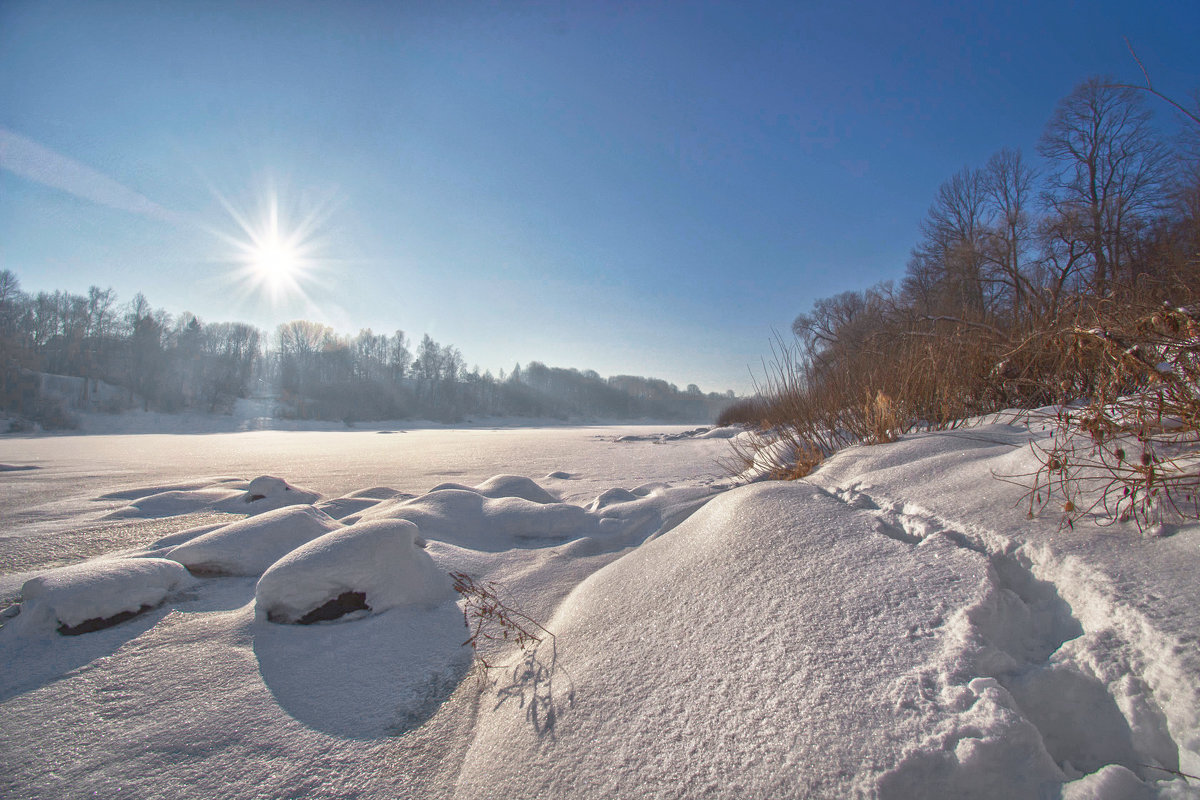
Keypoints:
(1124, 372)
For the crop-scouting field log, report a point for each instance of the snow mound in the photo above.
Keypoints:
(232, 495)
(178, 501)
(357, 502)
(505, 486)
(1114, 782)
(610, 497)
(96, 594)
(267, 492)
(745, 649)
(249, 546)
(726, 432)
(379, 561)
(467, 518)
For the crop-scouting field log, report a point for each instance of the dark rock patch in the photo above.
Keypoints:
(100, 623)
(207, 571)
(345, 603)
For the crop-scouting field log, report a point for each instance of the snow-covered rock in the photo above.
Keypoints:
(725, 432)
(232, 495)
(268, 492)
(97, 594)
(249, 546)
(610, 497)
(380, 561)
(499, 486)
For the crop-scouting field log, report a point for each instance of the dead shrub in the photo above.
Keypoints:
(1127, 450)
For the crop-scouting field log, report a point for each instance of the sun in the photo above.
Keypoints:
(276, 262)
(276, 255)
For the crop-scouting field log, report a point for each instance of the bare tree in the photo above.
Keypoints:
(1108, 171)
(1008, 186)
(947, 267)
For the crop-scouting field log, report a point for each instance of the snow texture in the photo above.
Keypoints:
(380, 560)
(506, 486)
(468, 518)
(231, 495)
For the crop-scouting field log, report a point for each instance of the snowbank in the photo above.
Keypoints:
(726, 432)
(249, 546)
(751, 652)
(380, 561)
(96, 594)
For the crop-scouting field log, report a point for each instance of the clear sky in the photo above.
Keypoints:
(640, 188)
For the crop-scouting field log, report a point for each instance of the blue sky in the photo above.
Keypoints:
(645, 188)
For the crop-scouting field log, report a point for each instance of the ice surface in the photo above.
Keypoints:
(249, 546)
(380, 560)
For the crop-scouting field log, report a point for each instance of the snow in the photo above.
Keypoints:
(725, 432)
(506, 486)
(97, 590)
(380, 560)
(250, 546)
(467, 518)
(893, 626)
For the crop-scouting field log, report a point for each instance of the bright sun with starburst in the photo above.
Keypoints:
(275, 261)
(276, 255)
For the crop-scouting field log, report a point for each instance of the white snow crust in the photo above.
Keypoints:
(379, 559)
(894, 626)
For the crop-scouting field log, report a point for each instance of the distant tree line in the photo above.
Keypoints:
(327, 375)
(170, 364)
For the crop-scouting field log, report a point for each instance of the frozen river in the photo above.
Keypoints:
(54, 512)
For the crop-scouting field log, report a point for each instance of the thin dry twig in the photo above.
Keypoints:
(489, 618)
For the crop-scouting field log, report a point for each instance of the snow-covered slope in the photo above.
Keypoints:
(894, 626)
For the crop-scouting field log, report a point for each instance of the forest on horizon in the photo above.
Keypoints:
(179, 363)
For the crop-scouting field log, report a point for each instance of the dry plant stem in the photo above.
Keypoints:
(488, 618)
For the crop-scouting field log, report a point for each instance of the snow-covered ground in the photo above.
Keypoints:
(894, 626)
